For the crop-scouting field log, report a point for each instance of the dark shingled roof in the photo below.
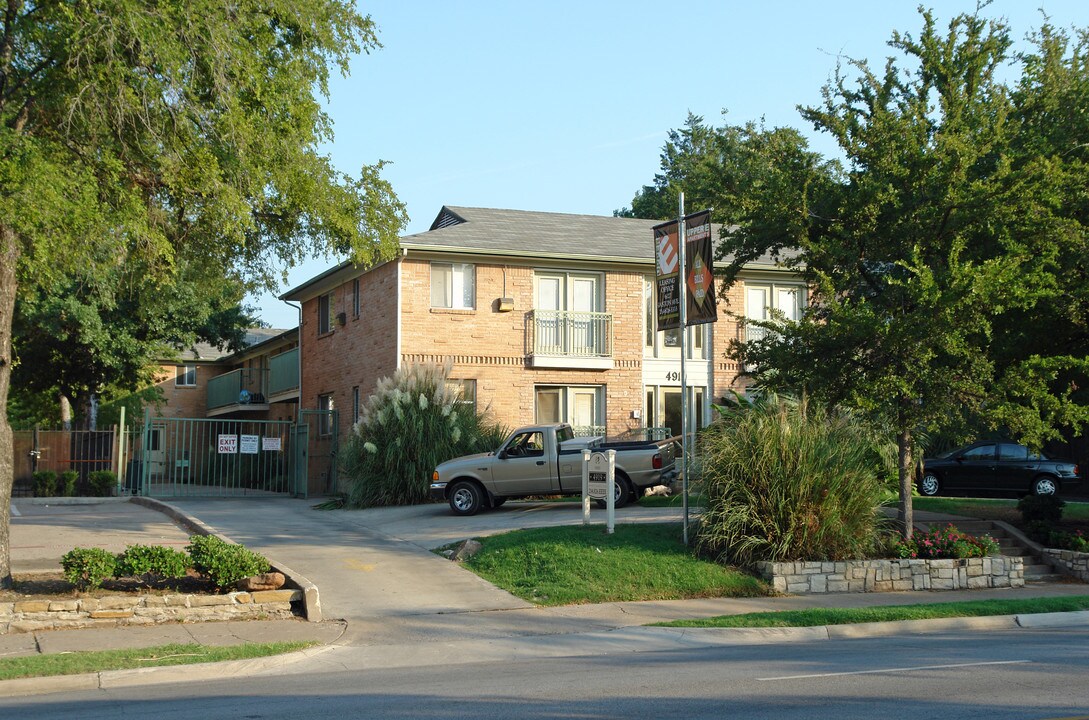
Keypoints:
(208, 352)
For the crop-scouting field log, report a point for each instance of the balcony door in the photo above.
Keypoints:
(566, 324)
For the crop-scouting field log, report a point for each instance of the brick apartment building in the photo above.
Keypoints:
(543, 317)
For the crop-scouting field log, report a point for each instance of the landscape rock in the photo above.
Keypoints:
(465, 550)
(265, 581)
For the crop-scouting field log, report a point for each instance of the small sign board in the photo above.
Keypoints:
(248, 444)
(270, 443)
(599, 477)
(228, 444)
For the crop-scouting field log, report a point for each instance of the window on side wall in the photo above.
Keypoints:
(453, 285)
(186, 376)
(355, 405)
(325, 313)
(464, 391)
(355, 297)
(325, 419)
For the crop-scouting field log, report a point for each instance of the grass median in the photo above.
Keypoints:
(77, 663)
(581, 564)
(991, 508)
(885, 613)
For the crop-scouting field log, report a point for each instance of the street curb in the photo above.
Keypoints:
(197, 672)
(311, 598)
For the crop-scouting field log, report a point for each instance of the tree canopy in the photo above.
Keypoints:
(944, 251)
(168, 135)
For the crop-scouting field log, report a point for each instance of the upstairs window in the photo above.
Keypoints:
(355, 298)
(453, 285)
(325, 313)
(186, 377)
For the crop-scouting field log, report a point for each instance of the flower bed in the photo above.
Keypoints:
(894, 575)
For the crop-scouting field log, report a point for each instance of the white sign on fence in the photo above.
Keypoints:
(249, 444)
(270, 443)
(228, 444)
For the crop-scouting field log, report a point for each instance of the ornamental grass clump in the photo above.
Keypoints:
(786, 480)
(412, 422)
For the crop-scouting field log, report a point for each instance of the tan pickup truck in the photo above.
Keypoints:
(546, 460)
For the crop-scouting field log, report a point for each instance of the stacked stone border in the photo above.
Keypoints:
(122, 610)
(893, 575)
(1069, 562)
(298, 594)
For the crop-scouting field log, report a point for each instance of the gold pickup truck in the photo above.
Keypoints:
(547, 460)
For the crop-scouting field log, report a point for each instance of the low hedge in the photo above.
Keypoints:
(222, 562)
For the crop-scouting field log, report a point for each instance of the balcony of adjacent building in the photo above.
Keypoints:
(250, 390)
(569, 339)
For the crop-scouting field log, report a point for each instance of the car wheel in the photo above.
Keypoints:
(930, 485)
(1045, 485)
(621, 493)
(466, 498)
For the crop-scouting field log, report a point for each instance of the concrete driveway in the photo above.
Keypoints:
(375, 567)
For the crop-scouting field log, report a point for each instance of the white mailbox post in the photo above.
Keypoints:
(598, 476)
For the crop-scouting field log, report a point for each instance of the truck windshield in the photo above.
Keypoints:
(564, 433)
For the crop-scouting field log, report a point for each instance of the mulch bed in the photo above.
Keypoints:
(53, 586)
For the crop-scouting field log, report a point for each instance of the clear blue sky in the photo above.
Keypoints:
(564, 106)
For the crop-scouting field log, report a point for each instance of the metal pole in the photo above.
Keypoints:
(681, 242)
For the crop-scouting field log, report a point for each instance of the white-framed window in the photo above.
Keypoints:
(325, 313)
(453, 285)
(667, 343)
(355, 298)
(581, 406)
(186, 376)
(767, 301)
(463, 390)
(325, 420)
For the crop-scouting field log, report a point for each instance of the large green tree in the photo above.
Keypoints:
(135, 133)
(944, 252)
(110, 329)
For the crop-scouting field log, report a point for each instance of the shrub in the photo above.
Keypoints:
(223, 562)
(1041, 509)
(409, 425)
(67, 485)
(102, 483)
(86, 568)
(946, 543)
(146, 561)
(1075, 541)
(785, 480)
(45, 483)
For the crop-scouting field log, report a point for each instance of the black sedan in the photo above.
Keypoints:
(997, 466)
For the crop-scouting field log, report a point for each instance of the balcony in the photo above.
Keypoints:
(283, 377)
(237, 391)
(568, 339)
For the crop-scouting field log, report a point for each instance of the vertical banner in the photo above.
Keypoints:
(667, 261)
(702, 305)
(699, 260)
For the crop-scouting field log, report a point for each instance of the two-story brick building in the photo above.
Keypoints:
(543, 317)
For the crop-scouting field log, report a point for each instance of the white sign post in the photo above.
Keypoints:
(585, 486)
(599, 469)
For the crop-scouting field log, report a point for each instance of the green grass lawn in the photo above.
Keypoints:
(161, 656)
(990, 508)
(844, 616)
(581, 564)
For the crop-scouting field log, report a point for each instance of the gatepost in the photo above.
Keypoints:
(598, 477)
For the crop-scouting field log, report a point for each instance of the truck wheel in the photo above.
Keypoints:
(621, 493)
(466, 498)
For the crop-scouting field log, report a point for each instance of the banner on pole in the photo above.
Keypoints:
(702, 305)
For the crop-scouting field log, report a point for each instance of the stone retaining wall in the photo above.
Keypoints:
(1069, 562)
(120, 610)
(894, 575)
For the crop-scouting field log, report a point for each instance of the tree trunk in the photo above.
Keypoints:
(907, 483)
(9, 255)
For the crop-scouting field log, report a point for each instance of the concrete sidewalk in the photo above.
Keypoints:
(379, 580)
